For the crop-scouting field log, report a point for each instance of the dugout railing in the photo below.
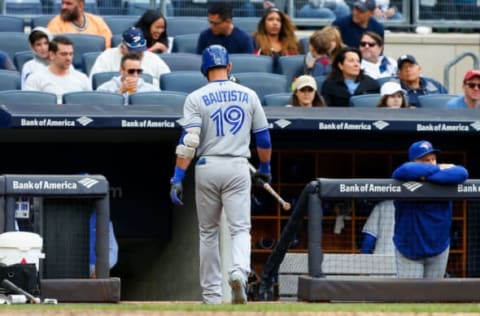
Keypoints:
(315, 287)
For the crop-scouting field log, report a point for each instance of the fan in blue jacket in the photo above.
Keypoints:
(422, 228)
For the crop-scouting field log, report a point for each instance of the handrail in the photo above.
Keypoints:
(449, 65)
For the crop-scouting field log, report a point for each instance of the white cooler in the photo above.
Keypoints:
(21, 247)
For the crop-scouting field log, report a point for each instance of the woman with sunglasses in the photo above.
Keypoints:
(374, 63)
(392, 96)
(347, 79)
(305, 93)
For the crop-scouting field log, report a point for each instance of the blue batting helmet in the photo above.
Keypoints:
(214, 56)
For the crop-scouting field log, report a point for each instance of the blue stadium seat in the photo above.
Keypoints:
(381, 81)
(365, 100)
(118, 24)
(11, 97)
(12, 42)
(182, 61)
(174, 98)
(434, 101)
(41, 20)
(251, 63)
(85, 43)
(116, 39)
(320, 80)
(277, 99)
(88, 60)
(291, 66)
(20, 58)
(186, 25)
(23, 7)
(305, 43)
(101, 77)
(248, 24)
(90, 6)
(183, 81)
(137, 7)
(93, 97)
(9, 80)
(11, 24)
(263, 83)
(186, 43)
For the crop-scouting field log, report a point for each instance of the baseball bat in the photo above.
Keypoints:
(12, 287)
(267, 187)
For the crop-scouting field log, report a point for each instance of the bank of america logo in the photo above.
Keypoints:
(283, 123)
(88, 182)
(380, 124)
(476, 125)
(412, 185)
(84, 120)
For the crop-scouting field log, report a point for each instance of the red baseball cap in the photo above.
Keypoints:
(470, 74)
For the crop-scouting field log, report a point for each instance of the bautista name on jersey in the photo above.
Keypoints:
(225, 96)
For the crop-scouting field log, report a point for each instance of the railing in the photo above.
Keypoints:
(450, 64)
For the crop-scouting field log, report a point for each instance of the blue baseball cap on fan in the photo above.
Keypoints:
(419, 149)
(365, 5)
(134, 40)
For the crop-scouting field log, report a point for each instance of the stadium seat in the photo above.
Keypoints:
(13, 42)
(41, 20)
(248, 24)
(20, 58)
(365, 100)
(88, 60)
(137, 7)
(182, 61)
(90, 6)
(11, 24)
(320, 80)
(291, 66)
(186, 25)
(85, 43)
(9, 80)
(23, 7)
(251, 63)
(9, 97)
(101, 77)
(382, 80)
(93, 97)
(277, 99)
(173, 98)
(186, 43)
(118, 24)
(116, 39)
(183, 81)
(263, 83)
(434, 101)
(305, 43)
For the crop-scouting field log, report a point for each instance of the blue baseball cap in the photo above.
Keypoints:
(365, 5)
(134, 40)
(419, 149)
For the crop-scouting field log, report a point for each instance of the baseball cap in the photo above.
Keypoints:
(365, 5)
(391, 87)
(43, 30)
(305, 81)
(405, 58)
(420, 149)
(134, 40)
(470, 74)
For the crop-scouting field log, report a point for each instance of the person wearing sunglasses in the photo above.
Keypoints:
(374, 63)
(305, 93)
(133, 41)
(409, 73)
(471, 89)
(129, 80)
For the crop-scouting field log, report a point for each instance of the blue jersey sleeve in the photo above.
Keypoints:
(414, 171)
(454, 175)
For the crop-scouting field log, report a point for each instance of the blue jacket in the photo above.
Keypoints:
(422, 228)
(427, 86)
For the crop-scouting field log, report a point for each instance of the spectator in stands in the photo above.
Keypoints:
(132, 41)
(223, 32)
(39, 39)
(324, 9)
(6, 62)
(347, 79)
(324, 44)
(154, 27)
(73, 19)
(374, 63)
(471, 90)
(59, 77)
(305, 93)
(412, 82)
(361, 20)
(422, 228)
(393, 96)
(385, 11)
(129, 80)
(378, 229)
(275, 36)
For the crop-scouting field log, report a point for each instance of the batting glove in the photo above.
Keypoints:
(262, 174)
(176, 190)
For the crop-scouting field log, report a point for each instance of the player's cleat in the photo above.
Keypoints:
(239, 295)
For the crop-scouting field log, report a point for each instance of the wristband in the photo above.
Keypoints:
(264, 167)
(178, 175)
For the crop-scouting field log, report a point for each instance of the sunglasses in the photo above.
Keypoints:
(368, 44)
(307, 89)
(473, 85)
(132, 71)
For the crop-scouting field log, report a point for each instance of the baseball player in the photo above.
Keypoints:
(422, 228)
(217, 121)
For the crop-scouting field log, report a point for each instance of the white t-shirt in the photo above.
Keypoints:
(380, 224)
(373, 69)
(111, 58)
(30, 67)
(44, 80)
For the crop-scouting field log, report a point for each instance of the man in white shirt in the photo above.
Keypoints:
(39, 39)
(129, 80)
(133, 41)
(374, 63)
(59, 77)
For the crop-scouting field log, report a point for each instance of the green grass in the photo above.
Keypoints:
(259, 307)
